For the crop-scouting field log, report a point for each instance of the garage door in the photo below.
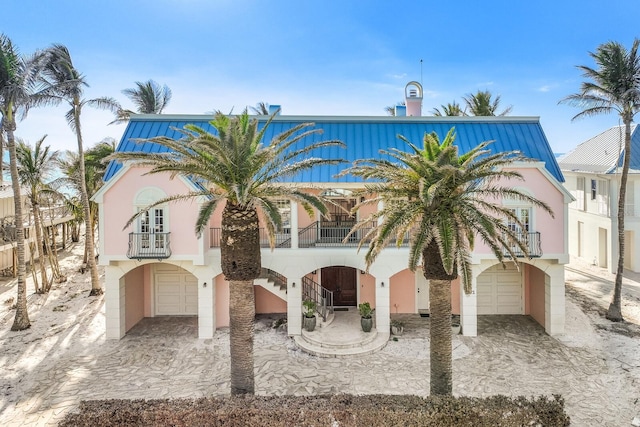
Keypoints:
(176, 292)
(500, 291)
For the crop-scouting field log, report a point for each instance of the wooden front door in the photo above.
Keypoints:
(342, 281)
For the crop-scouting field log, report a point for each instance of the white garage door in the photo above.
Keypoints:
(176, 291)
(500, 291)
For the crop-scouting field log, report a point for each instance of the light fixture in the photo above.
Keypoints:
(363, 272)
(204, 285)
(382, 284)
(293, 284)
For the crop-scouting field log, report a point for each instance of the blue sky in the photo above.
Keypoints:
(323, 58)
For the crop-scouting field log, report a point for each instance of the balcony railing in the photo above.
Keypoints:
(316, 235)
(149, 246)
(631, 210)
(531, 241)
(283, 238)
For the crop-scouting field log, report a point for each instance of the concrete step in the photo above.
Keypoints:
(358, 349)
(339, 339)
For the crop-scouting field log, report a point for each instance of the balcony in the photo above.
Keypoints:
(149, 246)
(320, 234)
(283, 238)
(531, 240)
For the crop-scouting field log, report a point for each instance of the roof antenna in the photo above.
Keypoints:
(421, 73)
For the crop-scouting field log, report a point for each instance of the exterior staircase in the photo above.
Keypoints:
(273, 282)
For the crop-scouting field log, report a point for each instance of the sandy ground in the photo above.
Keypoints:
(68, 321)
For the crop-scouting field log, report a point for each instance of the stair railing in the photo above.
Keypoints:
(323, 297)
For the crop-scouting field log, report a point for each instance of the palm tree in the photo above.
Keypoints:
(443, 201)
(61, 72)
(451, 109)
(18, 92)
(481, 104)
(391, 109)
(241, 171)
(35, 167)
(613, 86)
(149, 98)
(95, 168)
(261, 109)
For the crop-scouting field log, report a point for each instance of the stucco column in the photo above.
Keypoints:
(469, 306)
(206, 307)
(114, 301)
(554, 299)
(383, 311)
(294, 225)
(294, 306)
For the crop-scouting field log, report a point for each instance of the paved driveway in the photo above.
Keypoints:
(594, 370)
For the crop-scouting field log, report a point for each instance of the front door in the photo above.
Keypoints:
(342, 282)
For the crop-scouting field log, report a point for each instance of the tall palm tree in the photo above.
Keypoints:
(95, 168)
(481, 104)
(613, 86)
(444, 201)
(149, 98)
(35, 167)
(451, 109)
(244, 172)
(18, 92)
(61, 72)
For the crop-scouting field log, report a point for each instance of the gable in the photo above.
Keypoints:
(364, 138)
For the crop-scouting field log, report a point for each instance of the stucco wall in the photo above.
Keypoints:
(536, 292)
(551, 228)
(368, 289)
(222, 302)
(266, 302)
(134, 297)
(119, 206)
(402, 294)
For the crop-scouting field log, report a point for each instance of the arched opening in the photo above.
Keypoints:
(159, 289)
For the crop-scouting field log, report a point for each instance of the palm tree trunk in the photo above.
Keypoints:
(21, 321)
(440, 336)
(241, 262)
(39, 241)
(615, 308)
(241, 318)
(96, 289)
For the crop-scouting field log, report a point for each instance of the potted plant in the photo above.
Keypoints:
(309, 315)
(455, 324)
(366, 320)
(397, 327)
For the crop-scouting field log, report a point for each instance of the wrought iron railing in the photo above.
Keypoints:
(531, 240)
(323, 297)
(283, 239)
(275, 277)
(149, 246)
(316, 234)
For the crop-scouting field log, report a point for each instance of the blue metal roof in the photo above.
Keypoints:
(364, 137)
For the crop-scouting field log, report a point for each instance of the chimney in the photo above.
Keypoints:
(274, 108)
(413, 98)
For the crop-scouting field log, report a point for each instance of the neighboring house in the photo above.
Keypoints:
(593, 170)
(159, 267)
(56, 219)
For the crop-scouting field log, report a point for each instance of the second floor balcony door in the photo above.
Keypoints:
(152, 226)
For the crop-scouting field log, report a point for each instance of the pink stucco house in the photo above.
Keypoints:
(158, 267)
